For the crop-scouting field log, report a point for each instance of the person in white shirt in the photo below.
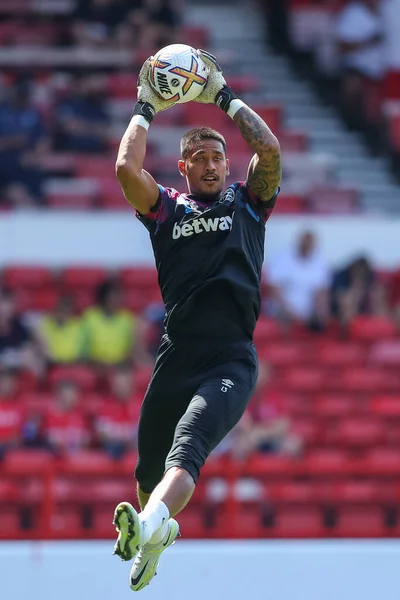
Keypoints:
(361, 43)
(298, 281)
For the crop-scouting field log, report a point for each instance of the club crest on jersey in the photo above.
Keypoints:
(228, 196)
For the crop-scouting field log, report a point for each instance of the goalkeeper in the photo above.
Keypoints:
(208, 245)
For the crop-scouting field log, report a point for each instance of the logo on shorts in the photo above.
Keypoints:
(226, 385)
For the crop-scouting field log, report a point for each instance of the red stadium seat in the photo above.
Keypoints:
(67, 201)
(89, 462)
(386, 406)
(196, 36)
(272, 115)
(102, 526)
(383, 462)
(194, 114)
(282, 353)
(84, 377)
(293, 141)
(38, 300)
(266, 330)
(368, 380)
(326, 462)
(340, 353)
(142, 378)
(31, 277)
(292, 492)
(362, 492)
(10, 522)
(94, 166)
(122, 85)
(37, 403)
(372, 328)
(329, 199)
(360, 521)
(139, 278)
(303, 379)
(66, 522)
(298, 522)
(26, 461)
(331, 406)
(360, 432)
(290, 203)
(110, 193)
(82, 277)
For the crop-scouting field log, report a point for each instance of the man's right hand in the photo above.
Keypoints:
(146, 92)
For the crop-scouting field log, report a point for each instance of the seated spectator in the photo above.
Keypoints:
(23, 143)
(265, 426)
(298, 282)
(116, 422)
(356, 290)
(65, 428)
(111, 332)
(17, 345)
(95, 21)
(82, 122)
(11, 412)
(360, 37)
(154, 24)
(61, 334)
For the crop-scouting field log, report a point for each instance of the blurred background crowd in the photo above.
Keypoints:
(77, 342)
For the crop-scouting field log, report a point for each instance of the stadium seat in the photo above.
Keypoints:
(194, 114)
(27, 277)
(142, 378)
(282, 353)
(362, 492)
(382, 462)
(361, 522)
(386, 406)
(10, 523)
(292, 493)
(94, 166)
(298, 522)
(330, 199)
(82, 277)
(27, 461)
(38, 300)
(366, 379)
(385, 352)
(102, 526)
(67, 522)
(304, 379)
(340, 353)
(326, 461)
(84, 377)
(37, 403)
(290, 203)
(372, 328)
(266, 330)
(88, 462)
(331, 406)
(357, 432)
(272, 115)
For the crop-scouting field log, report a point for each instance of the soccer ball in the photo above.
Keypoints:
(178, 73)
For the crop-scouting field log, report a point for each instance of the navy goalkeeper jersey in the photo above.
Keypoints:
(209, 256)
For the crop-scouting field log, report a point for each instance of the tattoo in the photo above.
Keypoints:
(265, 171)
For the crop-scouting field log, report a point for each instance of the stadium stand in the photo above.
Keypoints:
(339, 385)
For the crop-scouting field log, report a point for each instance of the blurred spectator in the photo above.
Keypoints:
(116, 423)
(23, 143)
(298, 281)
(61, 334)
(11, 412)
(112, 333)
(154, 24)
(265, 426)
(360, 37)
(65, 427)
(356, 290)
(18, 348)
(82, 123)
(95, 21)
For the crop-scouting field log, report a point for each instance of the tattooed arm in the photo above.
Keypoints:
(264, 172)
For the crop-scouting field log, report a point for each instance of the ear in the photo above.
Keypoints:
(182, 168)
(227, 166)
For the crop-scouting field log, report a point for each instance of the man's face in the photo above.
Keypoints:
(205, 168)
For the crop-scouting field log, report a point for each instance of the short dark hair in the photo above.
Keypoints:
(194, 136)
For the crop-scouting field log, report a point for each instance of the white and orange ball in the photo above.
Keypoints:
(178, 73)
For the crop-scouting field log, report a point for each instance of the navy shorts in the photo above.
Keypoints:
(198, 392)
